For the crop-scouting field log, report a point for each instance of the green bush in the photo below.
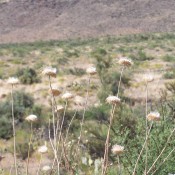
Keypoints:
(23, 105)
(76, 71)
(27, 76)
(22, 150)
(140, 55)
(5, 128)
(169, 75)
(169, 58)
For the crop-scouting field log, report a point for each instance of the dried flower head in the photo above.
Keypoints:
(91, 71)
(43, 149)
(13, 80)
(49, 71)
(31, 118)
(124, 61)
(113, 100)
(153, 116)
(148, 78)
(117, 149)
(55, 91)
(67, 96)
(46, 168)
(59, 108)
(80, 101)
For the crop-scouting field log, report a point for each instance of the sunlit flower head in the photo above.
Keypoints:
(43, 149)
(55, 91)
(148, 78)
(124, 61)
(59, 108)
(13, 80)
(117, 149)
(49, 71)
(31, 118)
(91, 71)
(67, 96)
(153, 116)
(46, 168)
(113, 100)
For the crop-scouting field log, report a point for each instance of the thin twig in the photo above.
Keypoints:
(105, 160)
(142, 150)
(161, 151)
(62, 122)
(67, 132)
(164, 160)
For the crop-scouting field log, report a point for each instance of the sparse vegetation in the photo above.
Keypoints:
(27, 76)
(128, 126)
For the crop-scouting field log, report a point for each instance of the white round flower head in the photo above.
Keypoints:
(46, 168)
(67, 96)
(42, 149)
(117, 149)
(91, 71)
(49, 71)
(55, 91)
(31, 118)
(148, 78)
(13, 80)
(153, 116)
(113, 100)
(59, 108)
(79, 101)
(124, 61)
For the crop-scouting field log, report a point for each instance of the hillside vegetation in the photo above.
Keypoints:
(152, 56)
(31, 20)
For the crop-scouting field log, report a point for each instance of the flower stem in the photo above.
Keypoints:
(14, 132)
(39, 164)
(84, 111)
(31, 134)
(119, 168)
(146, 128)
(121, 73)
(142, 150)
(105, 160)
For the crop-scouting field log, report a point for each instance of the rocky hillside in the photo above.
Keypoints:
(29, 20)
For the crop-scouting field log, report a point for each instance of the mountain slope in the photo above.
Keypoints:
(29, 20)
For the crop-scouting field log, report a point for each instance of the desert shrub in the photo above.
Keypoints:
(5, 128)
(99, 113)
(169, 58)
(22, 149)
(110, 84)
(103, 62)
(140, 55)
(76, 71)
(71, 53)
(169, 75)
(23, 104)
(27, 76)
(170, 86)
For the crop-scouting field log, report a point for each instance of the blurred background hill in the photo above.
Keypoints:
(30, 20)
